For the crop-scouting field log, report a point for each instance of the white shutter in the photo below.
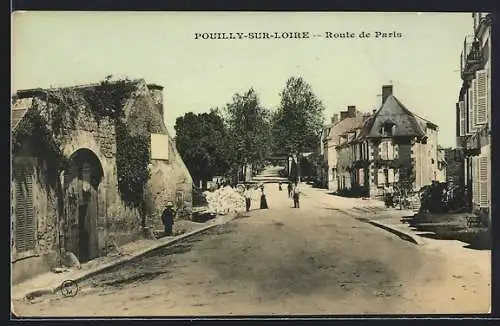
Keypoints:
(380, 177)
(474, 178)
(391, 176)
(390, 150)
(461, 108)
(475, 181)
(488, 95)
(481, 97)
(361, 177)
(470, 112)
(483, 181)
(474, 104)
(383, 150)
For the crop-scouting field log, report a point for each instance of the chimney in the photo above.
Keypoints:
(335, 118)
(343, 115)
(351, 111)
(386, 92)
(156, 92)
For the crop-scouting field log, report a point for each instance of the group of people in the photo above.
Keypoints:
(293, 192)
(248, 198)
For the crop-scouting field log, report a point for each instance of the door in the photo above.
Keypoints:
(83, 233)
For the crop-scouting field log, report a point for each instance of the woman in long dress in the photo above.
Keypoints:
(263, 201)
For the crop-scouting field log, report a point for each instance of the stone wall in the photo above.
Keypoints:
(170, 179)
(117, 224)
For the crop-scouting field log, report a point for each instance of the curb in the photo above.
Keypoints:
(105, 267)
(403, 235)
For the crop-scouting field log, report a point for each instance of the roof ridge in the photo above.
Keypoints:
(412, 115)
(77, 86)
(411, 112)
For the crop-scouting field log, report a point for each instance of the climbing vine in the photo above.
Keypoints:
(34, 127)
(108, 98)
(132, 159)
(104, 101)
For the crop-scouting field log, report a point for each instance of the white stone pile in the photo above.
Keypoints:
(225, 200)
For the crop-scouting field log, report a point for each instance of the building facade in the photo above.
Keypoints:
(473, 112)
(80, 209)
(331, 138)
(392, 147)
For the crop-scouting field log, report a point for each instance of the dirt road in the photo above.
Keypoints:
(312, 260)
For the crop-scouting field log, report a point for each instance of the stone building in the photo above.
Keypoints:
(391, 147)
(352, 172)
(473, 114)
(80, 208)
(330, 138)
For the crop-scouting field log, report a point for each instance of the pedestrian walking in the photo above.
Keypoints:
(248, 197)
(296, 195)
(263, 200)
(279, 186)
(168, 218)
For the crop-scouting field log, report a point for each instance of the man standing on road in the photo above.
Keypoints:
(168, 218)
(296, 195)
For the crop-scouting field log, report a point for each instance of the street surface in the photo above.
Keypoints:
(312, 260)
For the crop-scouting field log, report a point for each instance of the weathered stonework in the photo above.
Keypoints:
(115, 222)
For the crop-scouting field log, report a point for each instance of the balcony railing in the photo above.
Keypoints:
(473, 61)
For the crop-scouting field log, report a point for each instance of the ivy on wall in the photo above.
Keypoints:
(105, 100)
(34, 127)
(132, 159)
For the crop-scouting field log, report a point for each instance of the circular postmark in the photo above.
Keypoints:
(69, 288)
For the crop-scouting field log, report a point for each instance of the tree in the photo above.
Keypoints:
(201, 140)
(248, 124)
(298, 122)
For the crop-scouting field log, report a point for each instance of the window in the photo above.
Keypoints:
(386, 149)
(380, 177)
(388, 129)
(483, 188)
(470, 110)
(481, 97)
(25, 222)
(475, 180)
(461, 108)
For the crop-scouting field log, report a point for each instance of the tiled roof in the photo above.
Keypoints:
(407, 123)
(344, 125)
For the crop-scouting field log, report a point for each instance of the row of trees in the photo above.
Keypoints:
(244, 132)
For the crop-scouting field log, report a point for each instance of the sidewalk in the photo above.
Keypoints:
(50, 282)
(391, 220)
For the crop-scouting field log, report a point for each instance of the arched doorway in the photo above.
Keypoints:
(81, 184)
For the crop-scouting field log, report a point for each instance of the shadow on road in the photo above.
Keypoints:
(450, 227)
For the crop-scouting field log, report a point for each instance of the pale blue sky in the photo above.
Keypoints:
(66, 48)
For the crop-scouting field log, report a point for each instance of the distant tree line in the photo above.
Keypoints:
(224, 140)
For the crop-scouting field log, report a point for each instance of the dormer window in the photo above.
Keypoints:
(388, 129)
